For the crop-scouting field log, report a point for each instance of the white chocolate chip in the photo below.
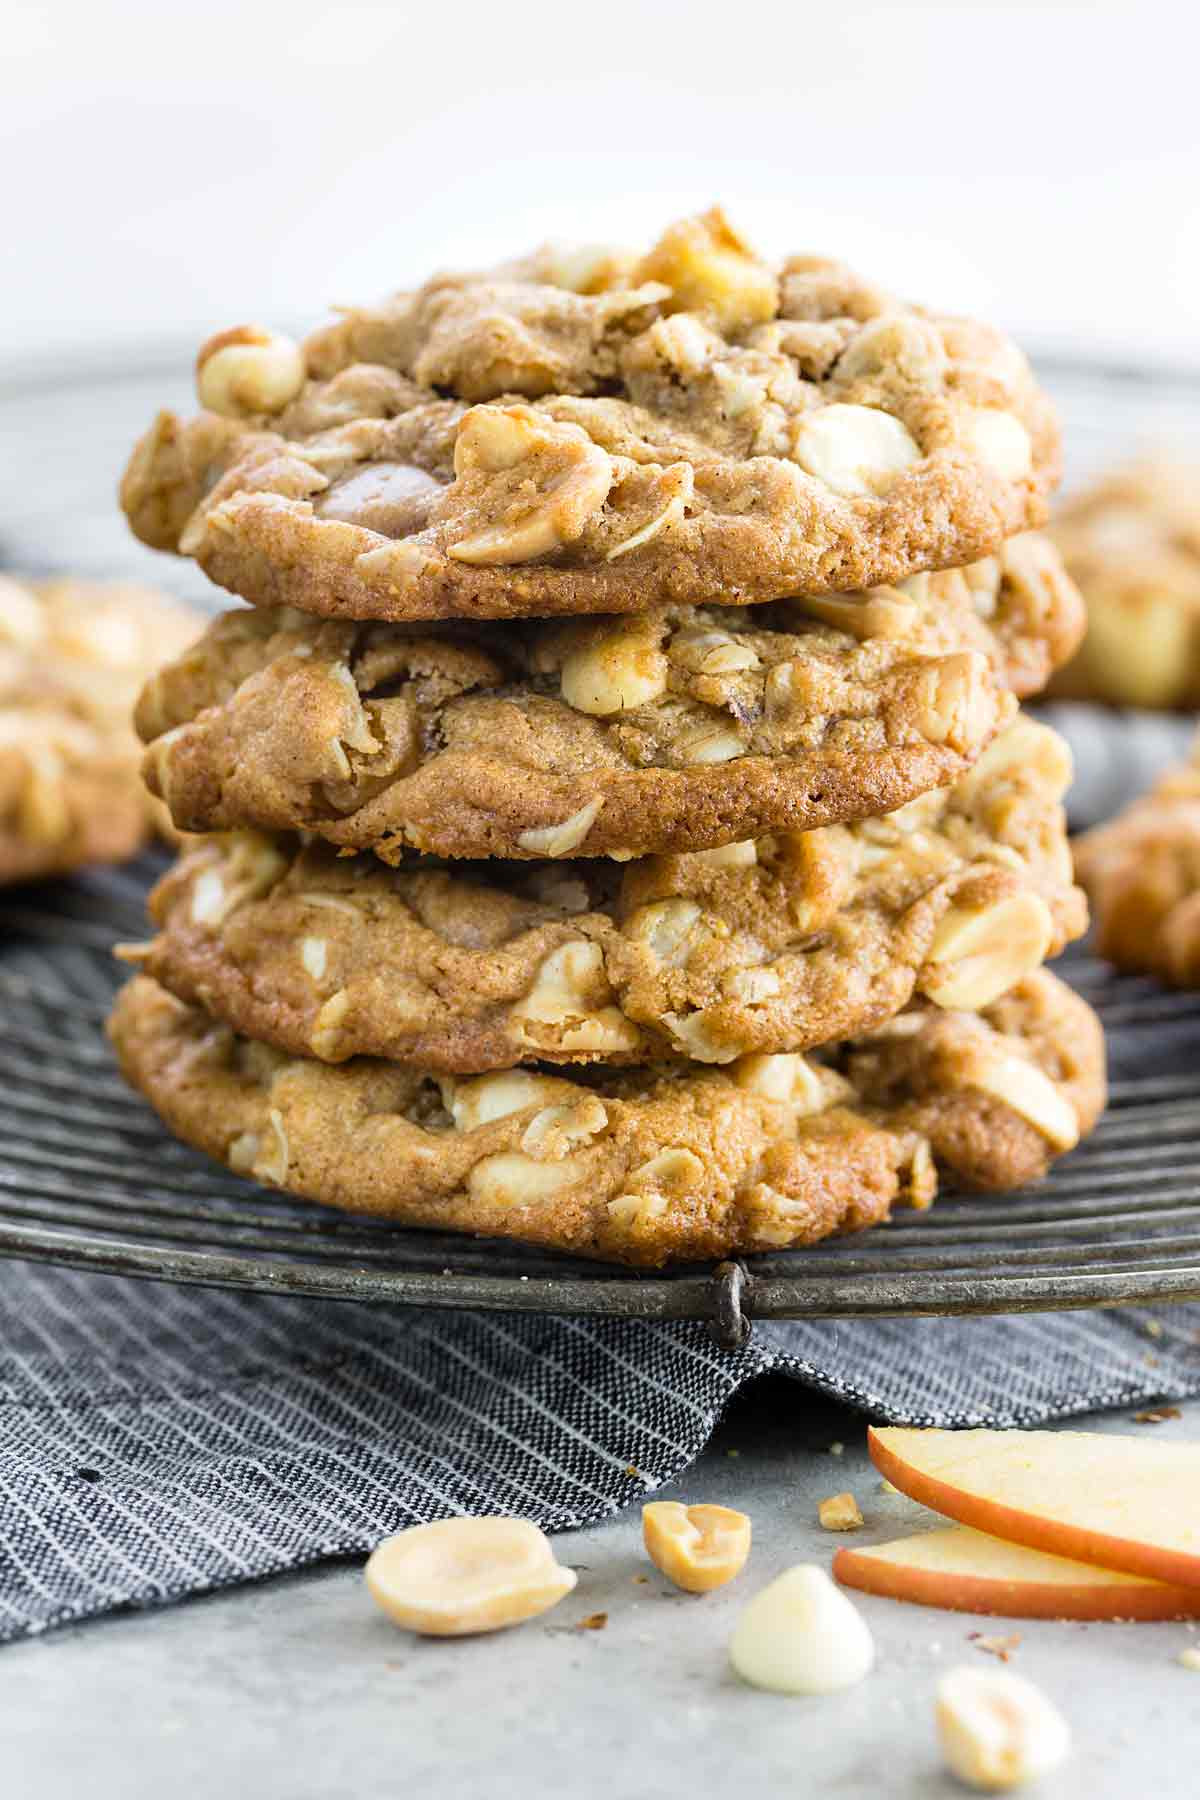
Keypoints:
(1000, 441)
(800, 1635)
(853, 449)
(997, 1730)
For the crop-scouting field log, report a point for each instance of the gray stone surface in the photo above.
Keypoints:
(298, 1690)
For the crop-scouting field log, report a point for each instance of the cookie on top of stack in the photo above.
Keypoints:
(620, 831)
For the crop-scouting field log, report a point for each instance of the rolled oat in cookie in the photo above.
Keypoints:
(683, 729)
(638, 1166)
(1141, 871)
(1132, 541)
(786, 943)
(600, 434)
(73, 655)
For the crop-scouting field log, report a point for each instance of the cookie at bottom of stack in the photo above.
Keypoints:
(642, 1166)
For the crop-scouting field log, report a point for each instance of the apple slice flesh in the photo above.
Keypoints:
(967, 1571)
(1116, 1502)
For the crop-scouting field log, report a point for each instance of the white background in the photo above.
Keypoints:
(173, 169)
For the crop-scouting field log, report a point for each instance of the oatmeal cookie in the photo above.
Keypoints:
(641, 1166)
(1132, 542)
(73, 655)
(1142, 875)
(783, 944)
(577, 436)
(681, 729)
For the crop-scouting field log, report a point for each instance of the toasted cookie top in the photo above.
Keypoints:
(1132, 542)
(777, 945)
(642, 1166)
(1141, 871)
(684, 728)
(573, 434)
(73, 655)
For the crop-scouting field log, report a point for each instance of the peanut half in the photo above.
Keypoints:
(997, 1730)
(461, 1576)
(697, 1547)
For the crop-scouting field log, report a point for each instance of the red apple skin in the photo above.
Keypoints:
(1174, 1567)
(1010, 1599)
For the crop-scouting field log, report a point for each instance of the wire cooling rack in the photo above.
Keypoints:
(88, 1178)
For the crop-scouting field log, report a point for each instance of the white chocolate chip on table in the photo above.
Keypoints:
(800, 1635)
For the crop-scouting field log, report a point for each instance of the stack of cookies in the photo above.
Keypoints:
(620, 832)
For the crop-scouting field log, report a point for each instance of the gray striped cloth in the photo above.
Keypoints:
(160, 1441)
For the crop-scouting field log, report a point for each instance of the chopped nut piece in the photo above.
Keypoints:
(622, 670)
(997, 1730)
(979, 953)
(248, 370)
(712, 270)
(1189, 1658)
(557, 479)
(800, 1635)
(314, 954)
(1001, 1647)
(1028, 1090)
(460, 1576)
(697, 1547)
(561, 839)
(594, 1622)
(1157, 1415)
(840, 1512)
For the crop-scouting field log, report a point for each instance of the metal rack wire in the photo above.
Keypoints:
(88, 1178)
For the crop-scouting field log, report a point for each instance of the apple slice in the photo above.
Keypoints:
(1118, 1502)
(967, 1571)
